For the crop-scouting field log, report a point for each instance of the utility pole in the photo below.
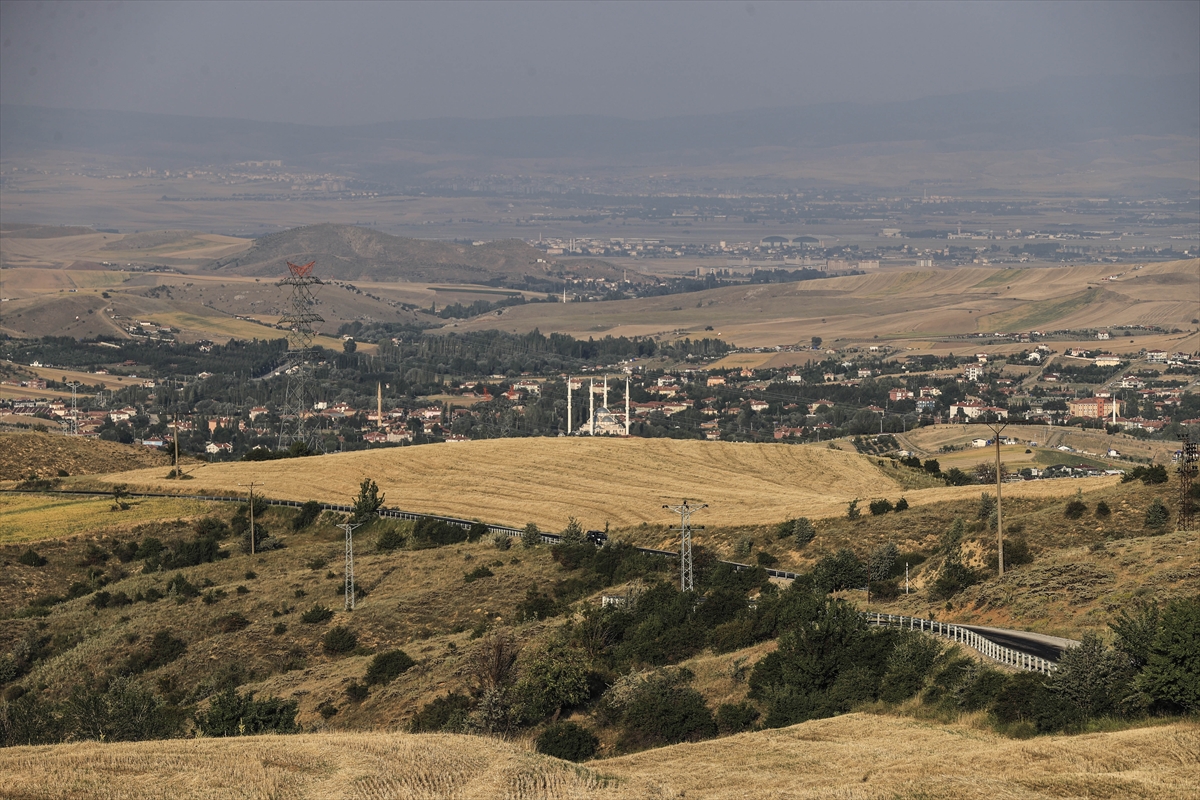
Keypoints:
(591, 406)
(997, 426)
(627, 407)
(685, 512)
(1189, 459)
(568, 401)
(175, 437)
(349, 527)
(251, 484)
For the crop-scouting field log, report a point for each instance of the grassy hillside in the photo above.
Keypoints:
(346, 252)
(890, 306)
(46, 454)
(853, 756)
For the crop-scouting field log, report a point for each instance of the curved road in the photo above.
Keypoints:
(1050, 648)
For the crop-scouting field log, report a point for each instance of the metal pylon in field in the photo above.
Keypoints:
(685, 511)
(1189, 460)
(301, 313)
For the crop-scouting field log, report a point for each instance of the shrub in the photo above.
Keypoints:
(736, 717)
(852, 511)
(956, 477)
(279, 629)
(231, 623)
(765, 559)
(307, 516)
(124, 712)
(880, 507)
(538, 605)
(339, 640)
(1157, 515)
(531, 536)
(842, 570)
(449, 713)
(232, 714)
(901, 505)
(386, 667)
(987, 505)
(953, 578)
(1149, 475)
(368, 503)
(389, 539)
(1172, 672)
(356, 692)
(30, 558)
(479, 572)
(803, 531)
(908, 666)
(327, 710)
(316, 614)
(567, 741)
(1089, 677)
(656, 718)
(1075, 509)
(500, 540)
(1102, 509)
(162, 650)
(181, 588)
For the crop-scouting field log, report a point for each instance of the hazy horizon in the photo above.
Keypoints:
(363, 63)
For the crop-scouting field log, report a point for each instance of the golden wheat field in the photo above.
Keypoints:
(28, 518)
(621, 481)
(857, 756)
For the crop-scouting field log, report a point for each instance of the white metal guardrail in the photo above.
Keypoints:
(956, 633)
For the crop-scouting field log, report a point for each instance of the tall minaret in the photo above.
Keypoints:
(627, 406)
(379, 403)
(568, 405)
(605, 392)
(592, 406)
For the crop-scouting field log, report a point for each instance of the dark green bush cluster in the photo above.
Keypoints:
(449, 713)
(479, 572)
(387, 666)
(567, 741)
(316, 614)
(339, 640)
(306, 516)
(162, 650)
(1149, 474)
(30, 558)
(233, 714)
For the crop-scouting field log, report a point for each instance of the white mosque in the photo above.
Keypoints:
(601, 421)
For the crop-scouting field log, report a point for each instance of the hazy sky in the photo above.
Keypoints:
(347, 62)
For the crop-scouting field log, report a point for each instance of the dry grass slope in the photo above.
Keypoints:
(622, 481)
(47, 453)
(854, 756)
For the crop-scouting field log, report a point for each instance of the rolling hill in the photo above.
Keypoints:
(852, 756)
(347, 252)
(891, 305)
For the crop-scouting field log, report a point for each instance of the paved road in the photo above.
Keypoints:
(1035, 644)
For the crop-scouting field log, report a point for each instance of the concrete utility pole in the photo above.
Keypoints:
(349, 527)
(251, 484)
(685, 512)
(592, 406)
(627, 406)
(568, 405)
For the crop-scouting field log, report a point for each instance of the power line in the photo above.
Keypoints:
(685, 512)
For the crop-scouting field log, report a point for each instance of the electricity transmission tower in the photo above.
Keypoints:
(685, 512)
(349, 527)
(1189, 460)
(253, 535)
(74, 408)
(299, 319)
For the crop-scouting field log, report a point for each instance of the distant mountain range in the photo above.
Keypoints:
(1049, 114)
(347, 252)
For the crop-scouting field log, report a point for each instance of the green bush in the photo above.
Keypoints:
(30, 558)
(952, 579)
(567, 741)
(125, 711)
(386, 667)
(736, 717)
(908, 667)
(389, 539)
(842, 570)
(1075, 509)
(1157, 515)
(765, 559)
(356, 692)
(1149, 475)
(449, 713)
(880, 507)
(307, 515)
(1171, 676)
(316, 614)
(531, 536)
(901, 505)
(231, 623)
(803, 531)
(657, 718)
(339, 640)
(479, 572)
(162, 650)
(852, 510)
(232, 714)
(1102, 510)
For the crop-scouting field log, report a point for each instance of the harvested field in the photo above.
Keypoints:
(853, 756)
(47, 453)
(30, 517)
(624, 482)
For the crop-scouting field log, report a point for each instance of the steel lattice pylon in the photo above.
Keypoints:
(297, 408)
(685, 512)
(1189, 460)
(349, 527)
(301, 314)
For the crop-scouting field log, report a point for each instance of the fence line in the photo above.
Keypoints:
(956, 633)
